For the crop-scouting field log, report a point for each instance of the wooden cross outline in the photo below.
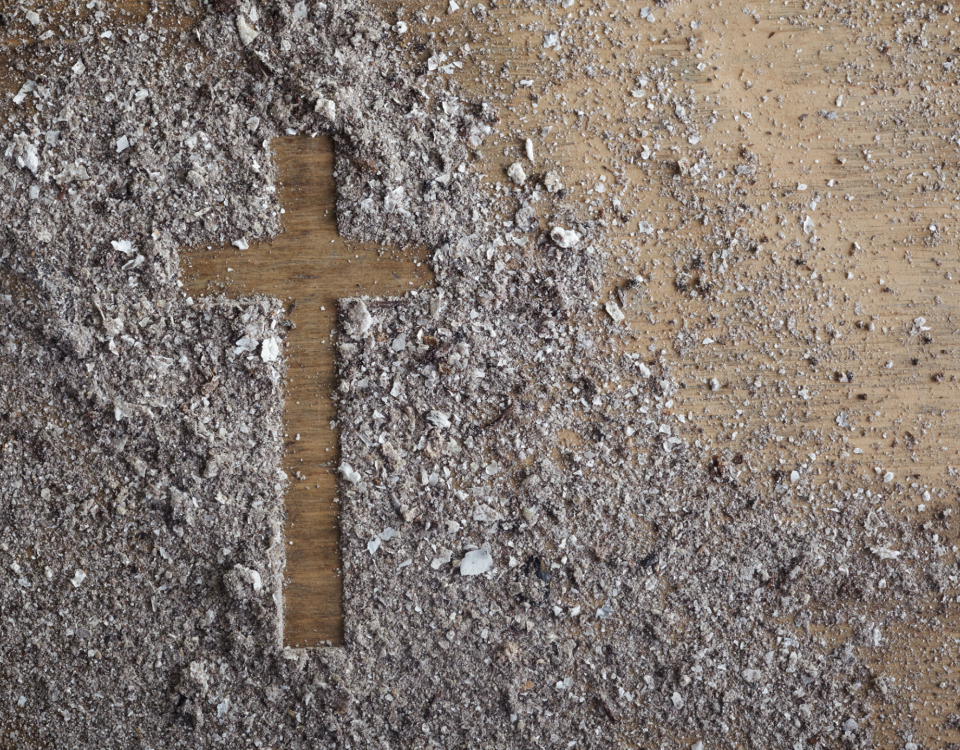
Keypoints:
(309, 267)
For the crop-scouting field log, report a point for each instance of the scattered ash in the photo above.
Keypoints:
(632, 591)
(540, 549)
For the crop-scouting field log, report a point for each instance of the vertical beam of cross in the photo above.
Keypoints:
(311, 266)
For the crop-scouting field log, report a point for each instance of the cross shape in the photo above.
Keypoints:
(309, 267)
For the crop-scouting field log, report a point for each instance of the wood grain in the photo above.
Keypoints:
(894, 174)
(309, 267)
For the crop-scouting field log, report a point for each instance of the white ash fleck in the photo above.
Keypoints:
(565, 238)
(270, 350)
(444, 556)
(614, 311)
(326, 107)
(516, 173)
(552, 182)
(242, 582)
(476, 562)
(349, 474)
(245, 31)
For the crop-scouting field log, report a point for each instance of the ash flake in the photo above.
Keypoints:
(349, 473)
(443, 557)
(270, 350)
(614, 311)
(476, 562)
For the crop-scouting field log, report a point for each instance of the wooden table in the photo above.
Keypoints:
(761, 74)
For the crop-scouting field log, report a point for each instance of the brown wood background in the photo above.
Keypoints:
(768, 70)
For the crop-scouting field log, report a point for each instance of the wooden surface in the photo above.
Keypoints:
(308, 267)
(760, 74)
(765, 75)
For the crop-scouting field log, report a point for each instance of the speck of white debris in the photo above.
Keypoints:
(443, 557)
(327, 107)
(241, 244)
(794, 477)
(33, 17)
(476, 562)
(801, 187)
(349, 473)
(22, 701)
(752, 675)
(453, 7)
(356, 319)
(888, 477)
(605, 611)
(389, 533)
(245, 31)
(399, 343)
(27, 157)
(78, 67)
(698, 745)
(28, 88)
(245, 344)
(565, 238)
(123, 143)
(300, 11)
(677, 700)
(249, 576)
(714, 384)
(373, 545)
(401, 27)
(528, 146)
(614, 311)
(270, 350)
(551, 181)
(885, 553)
(551, 39)
(515, 172)
(643, 370)
(78, 578)
(439, 419)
